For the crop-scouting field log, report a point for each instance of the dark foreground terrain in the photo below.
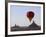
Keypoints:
(17, 28)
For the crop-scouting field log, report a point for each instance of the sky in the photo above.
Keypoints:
(18, 15)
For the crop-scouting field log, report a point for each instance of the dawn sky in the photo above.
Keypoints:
(18, 15)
